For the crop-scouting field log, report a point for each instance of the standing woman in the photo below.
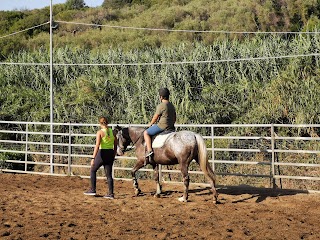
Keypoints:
(103, 154)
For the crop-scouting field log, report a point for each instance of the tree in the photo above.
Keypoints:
(115, 3)
(75, 4)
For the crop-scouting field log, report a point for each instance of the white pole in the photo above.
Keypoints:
(51, 92)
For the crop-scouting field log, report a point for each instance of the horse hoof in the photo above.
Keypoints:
(156, 195)
(182, 199)
(137, 192)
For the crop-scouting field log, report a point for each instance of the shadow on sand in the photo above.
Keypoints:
(254, 192)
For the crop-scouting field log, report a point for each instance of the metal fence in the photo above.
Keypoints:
(263, 155)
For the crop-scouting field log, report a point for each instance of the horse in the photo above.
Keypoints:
(180, 148)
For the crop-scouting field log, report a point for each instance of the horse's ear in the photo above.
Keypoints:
(118, 128)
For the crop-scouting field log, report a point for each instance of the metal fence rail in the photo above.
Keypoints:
(258, 151)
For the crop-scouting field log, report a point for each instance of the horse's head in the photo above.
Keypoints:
(123, 140)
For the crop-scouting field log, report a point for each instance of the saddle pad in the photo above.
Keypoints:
(159, 140)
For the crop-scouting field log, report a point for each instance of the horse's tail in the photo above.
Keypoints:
(203, 159)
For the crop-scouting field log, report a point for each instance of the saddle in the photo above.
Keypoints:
(159, 139)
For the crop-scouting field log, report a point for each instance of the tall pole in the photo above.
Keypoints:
(51, 91)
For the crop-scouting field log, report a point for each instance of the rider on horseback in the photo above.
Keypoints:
(165, 116)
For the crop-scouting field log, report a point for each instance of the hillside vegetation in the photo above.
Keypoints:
(214, 15)
(256, 91)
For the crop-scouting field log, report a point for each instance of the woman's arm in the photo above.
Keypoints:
(115, 144)
(96, 148)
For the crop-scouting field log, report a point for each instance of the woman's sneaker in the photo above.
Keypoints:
(90, 192)
(109, 196)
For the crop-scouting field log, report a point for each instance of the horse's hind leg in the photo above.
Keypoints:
(186, 180)
(138, 165)
(212, 181)
(156, 178)
(214, 191)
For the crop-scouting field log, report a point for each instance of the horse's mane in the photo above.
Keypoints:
(135, 132)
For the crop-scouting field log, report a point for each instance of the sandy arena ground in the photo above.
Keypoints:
(46, 207)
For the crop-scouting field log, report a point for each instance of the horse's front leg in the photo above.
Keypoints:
(138, 165)
(186, 180)
(156, 178)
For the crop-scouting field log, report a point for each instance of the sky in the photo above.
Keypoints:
(7, 5)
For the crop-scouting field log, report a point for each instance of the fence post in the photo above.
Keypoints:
(69, 150)
(273, 157)
(212, 144)
(160, 172)
(26, 149)
(112, 173)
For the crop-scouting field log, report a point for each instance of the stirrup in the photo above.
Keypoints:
(149, 156)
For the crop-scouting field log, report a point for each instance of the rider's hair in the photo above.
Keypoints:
(103, 121)
(164, 92)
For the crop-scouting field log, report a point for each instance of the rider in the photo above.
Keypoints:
(165, 115)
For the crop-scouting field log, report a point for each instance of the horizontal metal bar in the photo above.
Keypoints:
(54, 124)
(47, 164)
(238, 150)
(37, 163)
(123, 168)
(205, 137)
(241, 137)
(263, 138)
(58, 164)
(47, 143)
(217, 173)
(80, 166)
(124, 179)
(82, 135)
(296, 125)
(298, 138)
(124, 157)
(243, 175)
(129, 169)
(297, 177)
(45, 153)
(61, 154)
(166, 170)
(296, 151)
(48, 133)
(241, 162)
(30, 172)
(177, 125)
(297, 164)
(258, 150)
(12, 151)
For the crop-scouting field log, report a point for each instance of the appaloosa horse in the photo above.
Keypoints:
(180, 148)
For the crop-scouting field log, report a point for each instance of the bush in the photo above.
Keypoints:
(14, 166)
(75, 4)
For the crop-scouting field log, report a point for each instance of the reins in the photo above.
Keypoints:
(127, 150)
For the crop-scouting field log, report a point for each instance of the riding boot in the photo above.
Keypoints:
(149, 156)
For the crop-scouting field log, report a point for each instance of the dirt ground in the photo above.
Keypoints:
(46, 207)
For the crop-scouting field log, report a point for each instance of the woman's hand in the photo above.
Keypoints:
(92, 161)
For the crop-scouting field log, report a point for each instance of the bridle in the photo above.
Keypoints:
(122, 148)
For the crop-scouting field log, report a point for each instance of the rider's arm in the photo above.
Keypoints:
(154, 119)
